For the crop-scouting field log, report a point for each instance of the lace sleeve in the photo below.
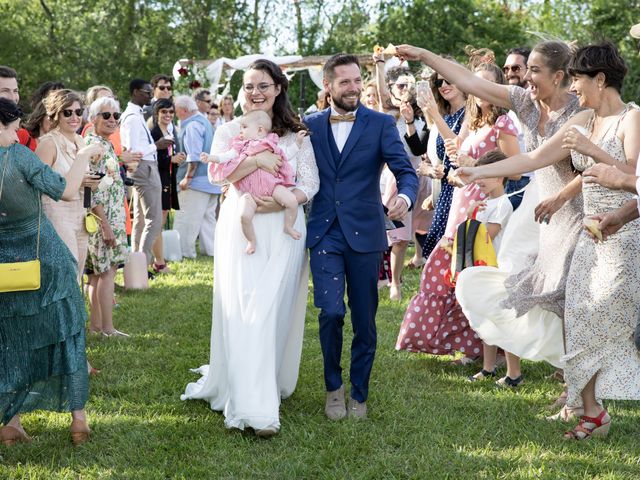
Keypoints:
(308, 180)
(222, 139)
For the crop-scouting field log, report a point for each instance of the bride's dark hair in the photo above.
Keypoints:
(284, 119)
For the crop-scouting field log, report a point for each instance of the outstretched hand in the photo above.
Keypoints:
(409, 52)
(464, 174)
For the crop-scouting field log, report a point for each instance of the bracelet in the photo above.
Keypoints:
(189, 177)
(380, 61)
(411, 122)
(257, 164)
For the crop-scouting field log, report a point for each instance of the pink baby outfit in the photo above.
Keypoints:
(259, 183)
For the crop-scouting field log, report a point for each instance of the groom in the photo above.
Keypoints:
(345, 230)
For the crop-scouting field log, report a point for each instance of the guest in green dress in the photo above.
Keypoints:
(42, 360)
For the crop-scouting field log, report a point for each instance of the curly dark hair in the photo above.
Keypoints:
(285, 119)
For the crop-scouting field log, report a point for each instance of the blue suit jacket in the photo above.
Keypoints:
(350, 183)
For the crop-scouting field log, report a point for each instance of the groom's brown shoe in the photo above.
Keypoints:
(357, 409)
(334, 406)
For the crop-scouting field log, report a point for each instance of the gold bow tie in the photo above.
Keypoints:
(349, 117)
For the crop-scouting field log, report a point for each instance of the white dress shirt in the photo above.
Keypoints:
(135, 134)
(341, 131)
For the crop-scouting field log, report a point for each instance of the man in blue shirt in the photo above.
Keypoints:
(198, 198)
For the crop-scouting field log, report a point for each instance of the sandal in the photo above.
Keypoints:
(161, 268)
(590, 427)
(482, 375)
(510, 382)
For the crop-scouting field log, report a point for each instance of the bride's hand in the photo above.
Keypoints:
(267, 205)
(269, 162)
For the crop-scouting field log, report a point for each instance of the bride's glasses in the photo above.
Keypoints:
(261, 87)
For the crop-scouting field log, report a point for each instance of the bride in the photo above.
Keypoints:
(259, 300)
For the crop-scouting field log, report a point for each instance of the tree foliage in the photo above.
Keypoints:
(86, 42)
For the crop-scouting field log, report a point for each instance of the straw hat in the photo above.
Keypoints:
(635, 31)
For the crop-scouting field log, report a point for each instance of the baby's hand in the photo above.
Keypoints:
(205, 158)
(300, 137)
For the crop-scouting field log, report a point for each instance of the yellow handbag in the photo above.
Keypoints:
(91, 222)
(21, 276)
(472, 247)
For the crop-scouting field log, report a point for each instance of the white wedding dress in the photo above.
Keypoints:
(259, 306)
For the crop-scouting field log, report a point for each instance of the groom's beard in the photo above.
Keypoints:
(337, 102)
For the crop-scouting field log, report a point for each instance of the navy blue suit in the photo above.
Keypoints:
(346, 235)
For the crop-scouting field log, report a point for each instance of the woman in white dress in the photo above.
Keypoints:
(259, 300)
(602, 294)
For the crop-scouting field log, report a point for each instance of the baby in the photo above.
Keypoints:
(255, 137)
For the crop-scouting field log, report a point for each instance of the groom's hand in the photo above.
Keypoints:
(399, 209)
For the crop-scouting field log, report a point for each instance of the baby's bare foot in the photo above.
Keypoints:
(251, 248)
(292, 233)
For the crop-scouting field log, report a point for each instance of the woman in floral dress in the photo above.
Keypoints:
(108, 245)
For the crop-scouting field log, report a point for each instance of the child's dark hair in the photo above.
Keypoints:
(492, 157)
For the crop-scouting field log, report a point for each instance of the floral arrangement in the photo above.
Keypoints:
(191, 77)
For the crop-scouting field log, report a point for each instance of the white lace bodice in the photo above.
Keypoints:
(304, 163)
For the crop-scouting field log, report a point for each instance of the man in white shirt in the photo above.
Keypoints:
(147, 189)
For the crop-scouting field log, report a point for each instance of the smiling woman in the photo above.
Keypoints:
(259, 299)
(59, 149)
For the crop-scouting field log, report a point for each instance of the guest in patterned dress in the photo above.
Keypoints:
(602, 297)
(521, 305)
(434, 322)
(108, 245)
(42, 360)
(448, 120)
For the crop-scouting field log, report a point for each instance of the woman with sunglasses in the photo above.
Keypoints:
(108, 245)
(168, 162)
(59, 149)
(520, 307)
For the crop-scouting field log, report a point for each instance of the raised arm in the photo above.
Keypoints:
(458, 75)
(550, 152)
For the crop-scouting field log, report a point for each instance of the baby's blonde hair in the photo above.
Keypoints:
(259, 118)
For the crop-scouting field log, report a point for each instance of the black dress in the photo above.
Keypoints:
(168, 172)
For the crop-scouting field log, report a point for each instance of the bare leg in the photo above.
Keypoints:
(398, 251)
(490, 352)
(95, 324)
(591, 406)
(513, 365)
(284, 197)
(105, 288)
(158, 254)
(417, 260)
(247, 211)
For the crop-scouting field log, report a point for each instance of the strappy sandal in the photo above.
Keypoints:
(590, 427)
(510, 382)
(482, 375)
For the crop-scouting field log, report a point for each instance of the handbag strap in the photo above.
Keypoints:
(4, 170)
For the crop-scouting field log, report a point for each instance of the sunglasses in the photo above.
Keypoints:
(107, 115)
(163, 112)
(441, 81)
(401, 86)
(205, 100)
(513, 68)
(68, 112)
(164, 87)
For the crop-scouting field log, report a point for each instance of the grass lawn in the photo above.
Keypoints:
(425, 421)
